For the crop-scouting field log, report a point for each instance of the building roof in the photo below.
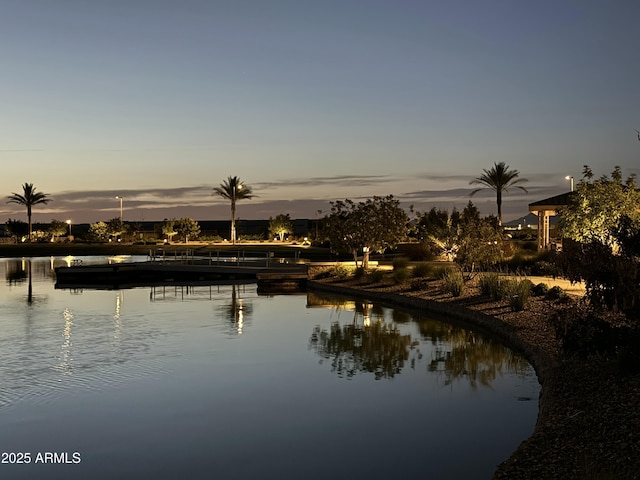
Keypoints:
(551, 203)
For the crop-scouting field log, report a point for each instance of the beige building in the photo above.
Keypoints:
(544, 209)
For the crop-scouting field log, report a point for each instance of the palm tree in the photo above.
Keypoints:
(233, 190)
(499, 178)
(29, 198)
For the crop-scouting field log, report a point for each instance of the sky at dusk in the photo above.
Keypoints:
(308, 101)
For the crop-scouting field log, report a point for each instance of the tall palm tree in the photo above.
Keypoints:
(233, 190)
(29, 198)
(498, 178)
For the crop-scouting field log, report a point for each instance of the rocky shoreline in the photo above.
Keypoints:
(588, 423)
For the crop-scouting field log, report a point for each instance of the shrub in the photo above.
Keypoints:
(495, 286)
(544, 268)
(400, 262)
(341, 271)
(586, 333)
(401, 275)
(528, 282)
(376, 275)
(440, 270)
(251, 238)
(489, 284)
(540, 290)
(211, 238)
(359, 273)
(422, 269)
(453, 282)
(555, 293)
(519, 293)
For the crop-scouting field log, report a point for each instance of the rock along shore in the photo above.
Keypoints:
(588, 423)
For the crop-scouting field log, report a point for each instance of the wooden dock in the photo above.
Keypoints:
(141, 273)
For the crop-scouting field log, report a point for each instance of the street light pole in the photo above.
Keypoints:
(69, 223)
(120, 198)
(569, 177)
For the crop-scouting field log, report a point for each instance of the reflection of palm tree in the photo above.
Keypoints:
(238, 311)
(233, 190)
(17, 271)
(29, 198)
(498, 178)
(30, 288)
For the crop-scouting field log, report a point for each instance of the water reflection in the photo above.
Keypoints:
(239, 311)
(19, 271)
(16, 271)
(111, 372)
(117, 321)
(373, 342)
(377, 348)
(459, 353)
(64, 359)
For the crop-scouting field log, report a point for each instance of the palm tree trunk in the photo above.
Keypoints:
(29, 219)
(233, 221)
(499, 198)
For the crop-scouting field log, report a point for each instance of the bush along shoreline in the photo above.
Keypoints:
(588, 423)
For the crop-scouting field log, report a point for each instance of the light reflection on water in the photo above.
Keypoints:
(188, 381)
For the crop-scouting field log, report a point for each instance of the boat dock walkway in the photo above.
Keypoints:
(278, 274)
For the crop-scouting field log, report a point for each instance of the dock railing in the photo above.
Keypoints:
(188, 256)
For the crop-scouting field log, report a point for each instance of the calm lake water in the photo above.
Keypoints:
(219, 382)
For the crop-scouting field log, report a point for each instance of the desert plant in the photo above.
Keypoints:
(489, 284)
(453, 282)
(540, 290)
(359, 273)
(400, 262)
(376, 275)
(527, 282)
(519, 293)
(422, 269)
(555, 293)
(401, 275)
(440, 270)
(341, 271)
(496, 286)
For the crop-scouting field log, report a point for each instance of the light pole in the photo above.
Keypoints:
(120, 198)
(69, 223)
(569, 177)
